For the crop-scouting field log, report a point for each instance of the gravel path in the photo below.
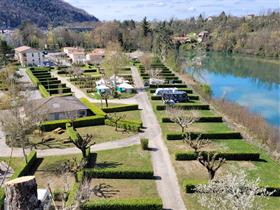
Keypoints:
(167, 182)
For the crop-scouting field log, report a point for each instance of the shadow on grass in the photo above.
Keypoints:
(106, 164)
(104, 190)
(35, 166)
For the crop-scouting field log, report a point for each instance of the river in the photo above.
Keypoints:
(249, 81)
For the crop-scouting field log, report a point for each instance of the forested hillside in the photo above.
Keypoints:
(40, 12)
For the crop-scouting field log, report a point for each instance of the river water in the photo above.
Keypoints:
(249, 81)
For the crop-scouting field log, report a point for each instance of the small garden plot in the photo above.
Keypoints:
(101, 134)
(132, 157)
(123, 189)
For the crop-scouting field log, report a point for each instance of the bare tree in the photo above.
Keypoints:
(196, 144)
(105, 95)
(181, 117)
(115, 119)
(146, 60)
(211, 163)
(21, 120)
(73, 167)
(233, 192)
(83, 143)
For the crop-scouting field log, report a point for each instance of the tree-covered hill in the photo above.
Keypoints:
(40, 12)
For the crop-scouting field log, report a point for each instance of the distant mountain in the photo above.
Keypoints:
(40, 12)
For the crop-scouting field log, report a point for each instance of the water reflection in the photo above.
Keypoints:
(249, 81)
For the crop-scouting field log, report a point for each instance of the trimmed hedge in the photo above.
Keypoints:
(25, 170)
(127, 125)
(116, 173)
(43, 91)
(2, 198)
(33, 79)
(122, 108)
(187, 90)
(80, 122)
(228, 156)
(186, 106)
(123, 204)
(169, 86)
(59, 90)
(221, 135)
(201, 119)
(95, 109)
(74, 190)
(158, 98)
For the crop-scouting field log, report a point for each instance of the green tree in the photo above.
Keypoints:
(145, 27)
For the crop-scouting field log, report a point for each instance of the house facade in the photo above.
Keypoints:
(28, 56)
(96, 56)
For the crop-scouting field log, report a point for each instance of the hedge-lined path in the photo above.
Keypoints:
(5, 150)
(80, 94)
(167, 183)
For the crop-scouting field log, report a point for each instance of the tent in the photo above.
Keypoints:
(125, 87)
(102, 89)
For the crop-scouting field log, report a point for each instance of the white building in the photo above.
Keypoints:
(28, 56)
(96, 56)
(77, 55)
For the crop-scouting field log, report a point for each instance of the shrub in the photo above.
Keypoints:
(222, 135)
(189, 185)
(186, 107)
(116, 173)
(122, 108)
(28, 167)
(124, 204)
(59, 90)
(96, 110)
(79, 122)
(126, 125)
(144, 143)
(201, 119)
(207, 90)
(228, 156)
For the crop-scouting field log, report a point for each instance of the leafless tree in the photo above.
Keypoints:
(83, 143)
(115, 118)
(155, 73)
(105, 96)
(211, 163)
(146, 60)
(73, 167)
(181, 117)
(197, 143)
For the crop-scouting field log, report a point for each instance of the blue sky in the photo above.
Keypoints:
(163, 10)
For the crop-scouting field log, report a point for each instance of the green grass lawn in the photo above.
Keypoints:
(123, 188)
(132, 157)
(101, 134)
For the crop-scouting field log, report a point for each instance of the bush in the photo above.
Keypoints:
(122, 108)
(80, 122)
(201, 119)
(28, 167)
(186, 107)
(96, 110)
(144, 143)
(126, 125)
(222, 135)
(43, 91)
(189, 185)
(228, 156)
(116, 173)
(2, 198)
(124, 204)
(169, 86)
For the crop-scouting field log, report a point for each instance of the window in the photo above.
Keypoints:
(32, 55)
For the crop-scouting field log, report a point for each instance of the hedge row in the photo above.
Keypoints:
(127, 125)
(169, 86)
(25, 170)
(186, 107)
(158, 98)
(2, 198)
(95, 109)
(189, 186)
(79, 122)
(43, 91)
(73, 135)
(201, 119)
(33, 79)
(228, 156)
(59, 90)
(121, 108)
(115, 173)
(187, 90)
(74, 190)
(221, 135)
(123, 204)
